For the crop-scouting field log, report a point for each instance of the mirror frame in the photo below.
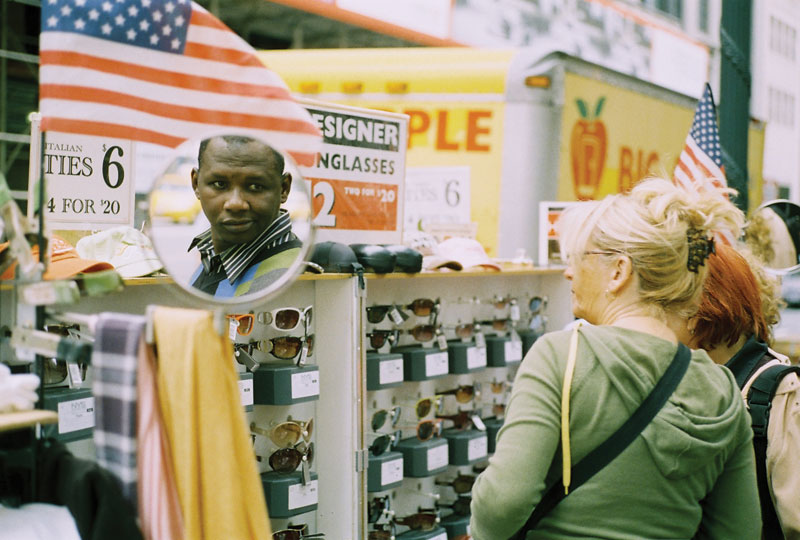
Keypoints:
(197, 298)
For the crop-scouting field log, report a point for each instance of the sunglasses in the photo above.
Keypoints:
(385, 442)
(423, 307)
(286, 434)
(537, 304)
(464, 393)
(243, 323)
(460, 484)
(286, 318)
(286, 347)
(498, 387)
(381, 534)
(55, 369)
(500, 302)
(462, 420)
(378, 338)
(498, 325)
(427, 429)
(424, 406)
(423, 521)
(464, 331)
(377, 508)
(380, 417)
(376, 314)
(422, 332)
(460, 506)
(286, 460)
(295, 532)
(499, 409)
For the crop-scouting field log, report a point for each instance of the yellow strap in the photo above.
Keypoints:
(566, 457)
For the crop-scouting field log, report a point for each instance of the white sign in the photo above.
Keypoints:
(357, 181)
(431, 17)
(301, 495)
(305, 384)
(391, 371)
(436, 364)
(549, 249)
(391, 472)
(478, 448)
(246, 391)
(75, 415)
(436, 195)
(476, 357)
(438, 457)
(89, 181)
(513, 350)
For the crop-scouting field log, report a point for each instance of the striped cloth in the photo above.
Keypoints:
(114, 366)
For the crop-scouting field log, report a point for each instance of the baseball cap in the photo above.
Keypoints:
(127, 249)
(64, 261)
(458, 254)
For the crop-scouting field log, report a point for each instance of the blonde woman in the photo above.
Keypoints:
(636, 265)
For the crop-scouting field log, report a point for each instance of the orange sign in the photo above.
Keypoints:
(356, 206)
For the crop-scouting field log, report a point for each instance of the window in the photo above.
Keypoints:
(702, 15)
(667, 7)
(782, 38)
(781, 107)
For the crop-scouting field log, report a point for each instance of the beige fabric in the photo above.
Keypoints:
(783, 448)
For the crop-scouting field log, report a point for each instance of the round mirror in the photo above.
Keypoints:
(773, 235)
(230, 219)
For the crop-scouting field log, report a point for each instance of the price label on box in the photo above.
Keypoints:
(89, 181)
(438, 457)
(391, 472)
(301, 495)
(391, 371)
(476, 357)
(436, 364)
(357, 180)
(75, 415)
(246, 391)
(478, 448)
(513, 350)
(305, 384)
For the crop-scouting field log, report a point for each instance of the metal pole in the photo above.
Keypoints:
(734, 106)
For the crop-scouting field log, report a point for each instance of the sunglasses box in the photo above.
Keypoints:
(466, 446)
(493, 425)
(422, 364)
(465, 357)
(384, 471)
(455, 525)
(434, 534)
(75, 408)
(287, 496)
(528, 337)
(285, 385)
(246, 390)
(384, 370)
(424, 458)
(502, 351)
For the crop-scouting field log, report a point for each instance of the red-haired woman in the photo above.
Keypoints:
(733, 325)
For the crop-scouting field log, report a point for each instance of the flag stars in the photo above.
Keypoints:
(131, 34)
(93, 15)
(157, 16)
(176, 44)
(153, 39)
(169, 7)
(166, 30)
(144, 25)
(179, 20)
(133, 11)
(120, 20)
(80, 3)
(106, 6)
(66, 10)
(145, 3)
(52, 21)
(106, 29)
(52, 2)
(80, 24)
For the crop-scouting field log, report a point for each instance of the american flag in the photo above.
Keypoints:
(160, 71)
(700, 166)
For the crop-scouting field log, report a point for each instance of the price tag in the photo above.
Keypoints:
(441, 341)
(75, 378)
(246, 391)
(438, 457)
(390, 371)
(478, 448)
(47, 293)
(480, 340)
(513, 312)
(513, 350)
(436, 364)
(89, 181)
(476, 357)
(303, 354)
(391, 472)
(397, 316)
(305, 384)
(75, 415)
(233, 325)
(477, 422)
(301, 496)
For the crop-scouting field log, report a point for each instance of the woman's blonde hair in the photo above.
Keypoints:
(650, 225)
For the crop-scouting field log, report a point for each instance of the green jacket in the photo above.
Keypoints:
(691, 473)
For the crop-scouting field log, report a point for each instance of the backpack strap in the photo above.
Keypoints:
(762, 387)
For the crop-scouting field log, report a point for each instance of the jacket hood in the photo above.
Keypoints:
(701, 419)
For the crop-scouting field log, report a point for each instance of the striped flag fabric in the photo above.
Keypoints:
(700, 166)
(160, 71)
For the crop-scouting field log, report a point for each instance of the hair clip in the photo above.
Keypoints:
(700, 247)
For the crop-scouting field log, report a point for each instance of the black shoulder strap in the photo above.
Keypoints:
(761, 393)
(618, 441)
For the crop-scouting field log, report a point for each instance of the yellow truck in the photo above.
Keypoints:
(531, 125)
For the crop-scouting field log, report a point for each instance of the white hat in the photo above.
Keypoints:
(458, 254)
(129, 250)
